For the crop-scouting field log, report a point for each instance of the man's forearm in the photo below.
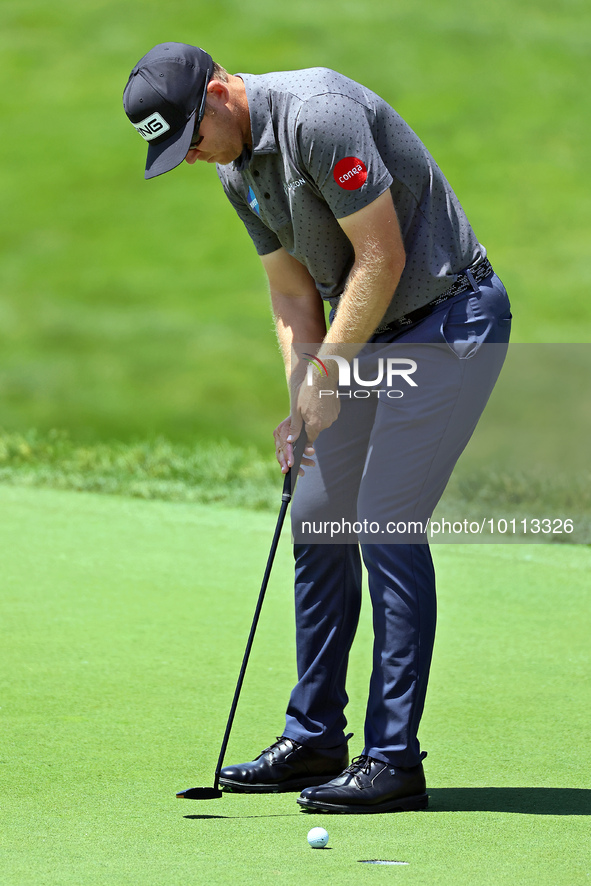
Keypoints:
(298, 320)
(368, 293)
(380, 257)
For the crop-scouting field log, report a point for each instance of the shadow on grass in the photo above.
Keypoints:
(526, 801)
(523, 801)
(270, 815)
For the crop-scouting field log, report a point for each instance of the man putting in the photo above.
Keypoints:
(344, 204)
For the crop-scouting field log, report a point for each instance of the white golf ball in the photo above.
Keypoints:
(318, 838)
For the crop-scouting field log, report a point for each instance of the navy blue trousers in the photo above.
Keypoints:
(386, 458)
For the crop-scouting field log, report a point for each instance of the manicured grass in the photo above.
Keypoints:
(123, 625)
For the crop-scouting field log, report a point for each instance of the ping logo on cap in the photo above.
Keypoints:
(152, 127)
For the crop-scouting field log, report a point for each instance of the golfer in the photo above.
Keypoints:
(345, 205)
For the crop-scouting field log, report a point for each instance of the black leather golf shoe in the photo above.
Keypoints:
(284, 766)
(368, 785)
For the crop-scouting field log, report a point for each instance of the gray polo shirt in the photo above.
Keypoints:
(324, 147)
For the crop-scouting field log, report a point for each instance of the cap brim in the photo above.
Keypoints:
(170, 153)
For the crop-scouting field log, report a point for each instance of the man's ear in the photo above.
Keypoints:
(217, 92)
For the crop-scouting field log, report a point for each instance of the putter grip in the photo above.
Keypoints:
(298, 451)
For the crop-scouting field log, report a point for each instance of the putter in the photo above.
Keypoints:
(215, 792)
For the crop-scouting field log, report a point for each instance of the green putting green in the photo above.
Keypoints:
(123, 626)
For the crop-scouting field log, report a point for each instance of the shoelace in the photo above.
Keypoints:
(280, 740)
(359, 765)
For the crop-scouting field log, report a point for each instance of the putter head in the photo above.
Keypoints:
(199, 794)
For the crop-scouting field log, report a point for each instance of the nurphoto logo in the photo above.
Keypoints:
(387, 371)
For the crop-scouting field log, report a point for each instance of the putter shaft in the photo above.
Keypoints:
(288, 487)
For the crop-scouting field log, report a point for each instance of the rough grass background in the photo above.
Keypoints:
(130, 308)
(222, 473)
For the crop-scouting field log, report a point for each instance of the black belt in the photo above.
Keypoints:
(478, 273)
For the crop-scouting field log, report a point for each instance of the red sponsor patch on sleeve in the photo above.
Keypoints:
(350, 173)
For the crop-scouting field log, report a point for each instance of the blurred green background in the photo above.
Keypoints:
(130, 309)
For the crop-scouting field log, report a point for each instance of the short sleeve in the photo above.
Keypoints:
(337, 149)
(264, 239)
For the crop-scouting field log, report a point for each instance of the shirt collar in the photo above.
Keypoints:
(261, 122)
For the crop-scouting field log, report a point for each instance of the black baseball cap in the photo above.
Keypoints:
(165, 99)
